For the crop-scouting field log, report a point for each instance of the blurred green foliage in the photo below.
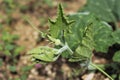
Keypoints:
(11, 50)
(1, 62)
(49, 3)
(8, 46)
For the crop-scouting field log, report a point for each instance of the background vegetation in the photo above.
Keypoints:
(17, 37)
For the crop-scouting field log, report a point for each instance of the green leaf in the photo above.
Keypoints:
(49, 3)
(102, 37)
(88, 33)
(5, 36)
(14, 37)
(7, 53)
(87, 45)
(56, 41)
(12, 68)
(116, 36)
(8, 38)
(116, 9)
(9, 47)
(116, 56)
(1, 26)
(57, 27)
(74, 36)
(76, 33)
(24, 77)
(17, 50)
(104, 9)
(44, 54)
(27, 68)
(81, 39)
(1, 47)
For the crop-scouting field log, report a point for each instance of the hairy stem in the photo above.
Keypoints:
(42, 34)
(64, 48)
(101, 71)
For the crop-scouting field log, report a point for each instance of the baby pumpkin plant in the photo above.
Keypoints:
(75, 37)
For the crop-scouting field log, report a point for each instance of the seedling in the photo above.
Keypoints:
(75, 37)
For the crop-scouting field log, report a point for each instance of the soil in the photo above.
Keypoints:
(12, 18)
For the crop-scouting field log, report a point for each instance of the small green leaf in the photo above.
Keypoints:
(9, 47)
(116, 57)
(56, 41)
(24, 77)
(12, 68)
(27, 68)
(5, 36)
(44, 54)
(14, 36)
(57, 27)
(8, 38)
(7, 53)
(17, 50)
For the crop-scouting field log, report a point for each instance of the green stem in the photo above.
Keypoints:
(64, 48)
(42, 34)
(101, 71)
(69, 49)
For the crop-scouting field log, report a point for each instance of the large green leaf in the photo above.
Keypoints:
(107, 10)
(81, 39)
(87, 34)
(116, 9)
(78, 29)
(116, 57)
(87, 45)
(101, 32)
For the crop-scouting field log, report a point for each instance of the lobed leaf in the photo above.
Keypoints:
(107, 10)
(81, 37)
(57, 27)
(88, 33)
